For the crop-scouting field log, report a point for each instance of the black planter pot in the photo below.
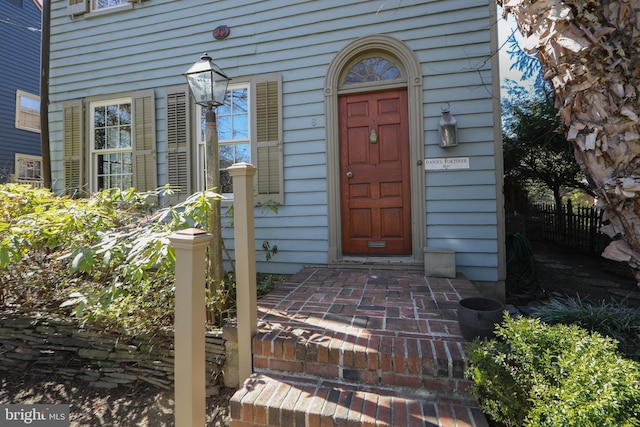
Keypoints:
(477, 317)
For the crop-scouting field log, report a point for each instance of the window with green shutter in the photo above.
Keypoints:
(178, 140)
(145, 162)
(73, 137)
(249, 130)
(118, 149)
(267, 149)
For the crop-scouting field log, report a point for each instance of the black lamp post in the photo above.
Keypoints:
(208, 84)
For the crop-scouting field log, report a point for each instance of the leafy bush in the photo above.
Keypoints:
(35, 219)
(107, 257)
(607, 318)
(536, 374)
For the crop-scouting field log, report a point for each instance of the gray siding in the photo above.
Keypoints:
(151, 46)
(19, 69)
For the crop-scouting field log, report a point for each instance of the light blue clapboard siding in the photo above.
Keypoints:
(452, 94)
(151, 46)
(303, 184)
(473, 177)
(314, 236)
(314, 140)
(303, 152)
(460, 192)
(464, 232)
(471, 246)
(462, 217)
(462, 206)
(293, 222)
(461, 209)
(303, 159)
(470, 149)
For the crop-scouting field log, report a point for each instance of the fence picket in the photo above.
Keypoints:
(575, 227)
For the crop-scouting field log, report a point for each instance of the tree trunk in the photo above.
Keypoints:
(589, 52)
(557, 197)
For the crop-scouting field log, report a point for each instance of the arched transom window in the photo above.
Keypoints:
(372, 69)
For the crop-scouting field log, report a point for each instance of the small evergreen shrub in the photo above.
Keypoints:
(607, 318)
(536, 374)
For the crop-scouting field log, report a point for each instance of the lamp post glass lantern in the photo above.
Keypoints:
(207, 82)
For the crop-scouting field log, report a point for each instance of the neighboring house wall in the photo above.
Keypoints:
(20, 71)
(300, 49)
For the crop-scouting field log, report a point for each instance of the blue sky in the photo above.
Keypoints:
(505, 27)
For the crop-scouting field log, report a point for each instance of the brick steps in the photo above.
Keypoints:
(353, 348)
(272, 400)
(432, 363)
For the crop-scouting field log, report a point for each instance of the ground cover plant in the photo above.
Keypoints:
(605, 317)
(535, 374)
(106, 259)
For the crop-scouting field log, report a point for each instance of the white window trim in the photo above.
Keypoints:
(200, 149)
(19, 112)
(93, 164)
(26, 157)
(96, 12)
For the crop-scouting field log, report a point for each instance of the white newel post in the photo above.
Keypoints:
(245, 254)
(189, 361)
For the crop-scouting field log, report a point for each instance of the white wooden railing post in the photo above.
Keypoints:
(189, 360)
(245, 255)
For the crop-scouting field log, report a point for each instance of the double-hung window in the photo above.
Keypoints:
(105, 4)
(111, 147)
(234, 143)
(27, 111)
(110, 143)
(249, 130)
(80, 7)
(28, 168)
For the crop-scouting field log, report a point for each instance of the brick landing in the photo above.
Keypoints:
(359, 347)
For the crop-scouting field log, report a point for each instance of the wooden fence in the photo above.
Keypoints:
(576, 227)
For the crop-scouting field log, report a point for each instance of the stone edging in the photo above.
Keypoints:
(56, 346)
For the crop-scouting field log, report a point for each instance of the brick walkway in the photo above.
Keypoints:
(359, 347)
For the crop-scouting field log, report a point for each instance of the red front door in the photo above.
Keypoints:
(375, 186)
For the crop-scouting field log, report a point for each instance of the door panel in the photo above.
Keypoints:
(374, 165)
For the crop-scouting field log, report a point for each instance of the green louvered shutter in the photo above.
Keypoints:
(178, 138)
(267, 150)
(73, 139)
(145, 168)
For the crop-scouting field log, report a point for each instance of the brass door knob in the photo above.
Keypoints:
(349, 174)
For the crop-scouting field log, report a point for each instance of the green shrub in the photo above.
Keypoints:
(105, 258)
(536, 374)
(607, 318)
